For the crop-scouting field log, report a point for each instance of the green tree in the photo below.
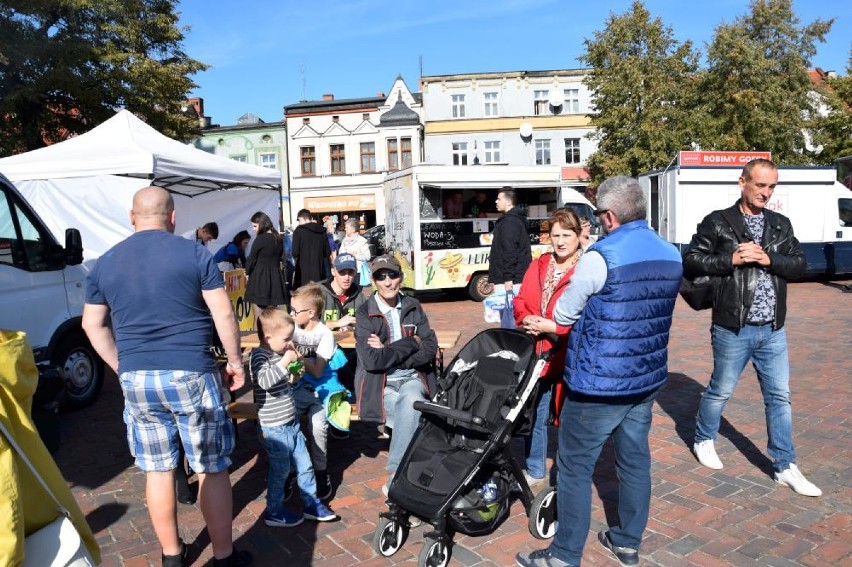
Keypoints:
(68, 65)
(642, 80)
(833, 127)
(756, 89)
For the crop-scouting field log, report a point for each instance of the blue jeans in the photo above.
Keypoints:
(767, 350)
(399, 398)
(584, 426)
(535, 444)
(285, 444)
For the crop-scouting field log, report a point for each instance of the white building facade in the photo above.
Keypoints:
(339, 151)
(514, 118)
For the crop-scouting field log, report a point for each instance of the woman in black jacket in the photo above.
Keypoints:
(265, 281)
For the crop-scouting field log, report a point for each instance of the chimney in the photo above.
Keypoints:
(831, 74)
(380, 94)
(198, 104)
(328, 96)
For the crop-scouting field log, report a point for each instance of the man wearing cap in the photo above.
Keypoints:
(342, 294)
(343, 297)
(396, 349)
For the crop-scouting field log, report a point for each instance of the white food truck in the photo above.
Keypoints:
(819, 207)
(440, 219)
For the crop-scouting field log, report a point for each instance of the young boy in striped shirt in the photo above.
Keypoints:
(272, 376)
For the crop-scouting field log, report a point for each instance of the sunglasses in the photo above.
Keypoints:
(380, 277)
(601, 212)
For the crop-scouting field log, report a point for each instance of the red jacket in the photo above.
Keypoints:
(528, 302)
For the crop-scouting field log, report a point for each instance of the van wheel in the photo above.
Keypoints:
(480, 287)
(82, 371)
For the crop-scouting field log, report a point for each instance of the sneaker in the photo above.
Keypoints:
(414, 522)
(324, 488)
(286, 520)
(237, 558)
(178, 560)
(319, 512)
(794, 478)
(625, 555)
(540, 558)
(705, 452)
(533, 481)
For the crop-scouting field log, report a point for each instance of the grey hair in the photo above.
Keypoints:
(624, 197)
(351, 222)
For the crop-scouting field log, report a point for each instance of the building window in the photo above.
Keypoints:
(368, 157)
(490, 104)
(572, 101)
(492, 151)
(542, 152)
(242, 158)
(309, 160)
(393, 154)
(406, 152)
(540, 102)
(460, 153)
(338, 159)
(572, 150)
(269, 161)
(458, 105)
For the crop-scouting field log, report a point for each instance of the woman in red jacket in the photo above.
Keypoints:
(544, 281)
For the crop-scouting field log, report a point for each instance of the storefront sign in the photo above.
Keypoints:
(341, 203)
(721, 159)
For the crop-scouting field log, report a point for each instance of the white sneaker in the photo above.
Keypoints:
(794, 478)
(705, 452)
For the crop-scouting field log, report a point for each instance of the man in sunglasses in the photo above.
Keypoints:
(396, 350)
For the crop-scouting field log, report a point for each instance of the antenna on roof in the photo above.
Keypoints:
(420, 64)
(304, 82)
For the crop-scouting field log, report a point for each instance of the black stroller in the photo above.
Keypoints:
(458, 473)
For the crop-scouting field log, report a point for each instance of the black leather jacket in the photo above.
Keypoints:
(710, 254)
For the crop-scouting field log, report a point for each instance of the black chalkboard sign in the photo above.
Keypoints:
(459, 234)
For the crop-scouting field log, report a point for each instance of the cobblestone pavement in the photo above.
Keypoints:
(736, 516)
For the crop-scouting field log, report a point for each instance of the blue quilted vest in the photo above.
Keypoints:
(619, 345)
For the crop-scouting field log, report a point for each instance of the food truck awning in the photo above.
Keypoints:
(341, 203)
(489, 184)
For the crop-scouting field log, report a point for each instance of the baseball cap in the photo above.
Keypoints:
(345, 262)
(386, 262)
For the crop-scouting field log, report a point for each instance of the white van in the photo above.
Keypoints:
(42, 290)
(818, 206)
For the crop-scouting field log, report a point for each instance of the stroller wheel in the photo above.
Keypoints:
(389, 537)
(542, 514)
(435, 553)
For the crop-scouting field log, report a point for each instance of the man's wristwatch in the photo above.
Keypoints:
(234, 366)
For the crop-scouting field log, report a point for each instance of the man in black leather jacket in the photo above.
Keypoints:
(748, 315)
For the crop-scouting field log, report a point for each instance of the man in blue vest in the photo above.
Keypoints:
(620, 303)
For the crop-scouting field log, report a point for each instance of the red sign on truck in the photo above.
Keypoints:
(721, 159)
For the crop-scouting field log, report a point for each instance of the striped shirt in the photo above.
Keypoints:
(273, 393)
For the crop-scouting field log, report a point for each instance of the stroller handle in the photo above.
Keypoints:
(438, 409)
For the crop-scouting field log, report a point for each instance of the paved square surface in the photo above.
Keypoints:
(736, 516)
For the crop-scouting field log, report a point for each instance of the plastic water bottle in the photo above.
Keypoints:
(488, 491)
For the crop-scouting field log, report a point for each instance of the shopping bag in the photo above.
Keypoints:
(507, 314)
(496, 303)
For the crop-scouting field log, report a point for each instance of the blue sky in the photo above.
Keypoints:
(266, 54)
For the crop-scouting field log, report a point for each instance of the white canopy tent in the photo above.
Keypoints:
(88, 182)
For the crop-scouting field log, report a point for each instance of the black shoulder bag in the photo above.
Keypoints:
(700, 292)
